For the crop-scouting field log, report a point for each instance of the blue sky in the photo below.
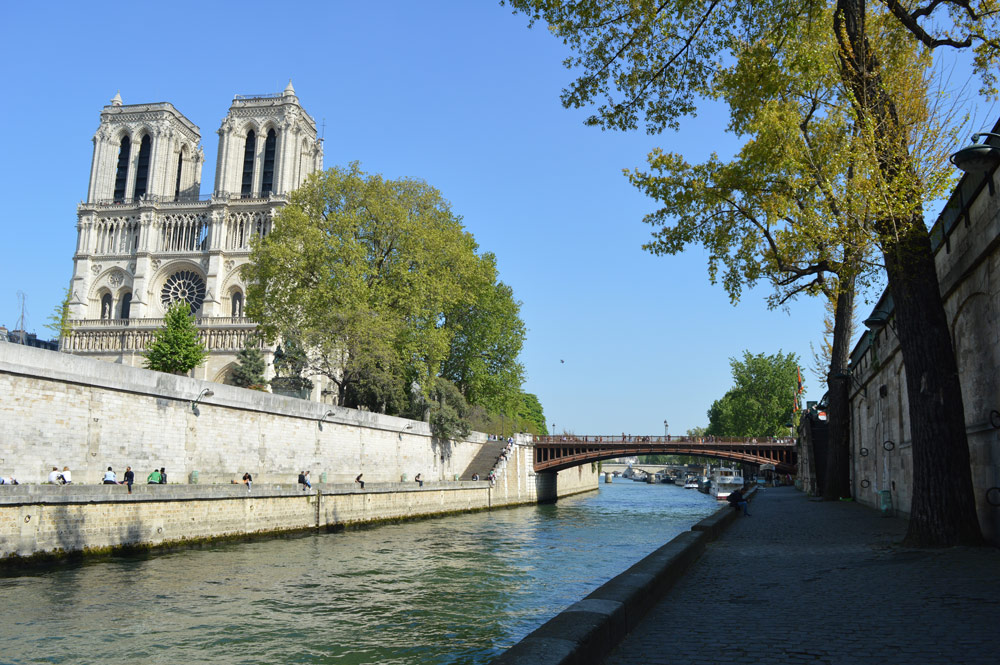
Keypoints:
(458, 93)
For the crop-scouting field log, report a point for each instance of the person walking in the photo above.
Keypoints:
(128, 478)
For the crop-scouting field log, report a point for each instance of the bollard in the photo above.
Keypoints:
(607, 478)
(322, 477)
(402, 478)
(193, 478)
(885, 502)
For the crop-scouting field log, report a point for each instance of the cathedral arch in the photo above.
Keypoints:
(249, 153)
(121, 170)
(125, 304)
(106, 305)
(225, 375)
(267, 170)
(141, 183)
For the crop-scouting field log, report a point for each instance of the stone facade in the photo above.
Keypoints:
(147, 238)
(967, 244)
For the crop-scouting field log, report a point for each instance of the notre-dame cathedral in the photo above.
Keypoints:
(147, 237)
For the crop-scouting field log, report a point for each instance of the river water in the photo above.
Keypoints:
(452, 590)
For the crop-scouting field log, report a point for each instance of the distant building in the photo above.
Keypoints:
(147, 238)
(26, 338)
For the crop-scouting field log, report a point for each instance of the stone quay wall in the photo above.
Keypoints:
(62, 410)
(968, 267)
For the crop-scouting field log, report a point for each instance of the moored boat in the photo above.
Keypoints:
(724, 481)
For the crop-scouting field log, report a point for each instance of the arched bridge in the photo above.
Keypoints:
(555, 453)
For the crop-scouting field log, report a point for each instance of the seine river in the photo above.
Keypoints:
(452, 590)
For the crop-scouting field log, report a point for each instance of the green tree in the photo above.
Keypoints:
(377, 278)
(488, 335)
(176, 347)
(762, 400)
(532, 414)
(250, 365)
(650, 60)
(59, 319)
(448, 411)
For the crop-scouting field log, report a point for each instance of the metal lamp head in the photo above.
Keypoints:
(979, 157)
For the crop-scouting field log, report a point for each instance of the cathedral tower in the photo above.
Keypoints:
(147, 238)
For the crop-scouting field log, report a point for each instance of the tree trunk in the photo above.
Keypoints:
(837, 482)
(943, 511)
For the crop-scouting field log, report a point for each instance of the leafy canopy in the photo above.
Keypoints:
(762, 400)
(381, 283)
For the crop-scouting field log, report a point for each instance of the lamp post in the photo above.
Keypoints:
(665, 426)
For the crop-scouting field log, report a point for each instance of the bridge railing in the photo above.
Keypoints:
(619, 439)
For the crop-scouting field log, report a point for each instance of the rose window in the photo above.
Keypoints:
(183, 285)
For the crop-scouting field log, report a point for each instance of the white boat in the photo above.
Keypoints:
(724, 481)
(691, 483)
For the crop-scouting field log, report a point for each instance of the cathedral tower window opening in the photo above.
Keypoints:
(185, 285)
(142, 169)
(246, 189)
(242, 226)
(126, 305)
(267, 177)
(180, 169)
(121, 175)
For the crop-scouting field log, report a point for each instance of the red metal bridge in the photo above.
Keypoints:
(555, 453)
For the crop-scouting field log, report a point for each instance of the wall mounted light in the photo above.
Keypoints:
(979, 158)
(207, 392)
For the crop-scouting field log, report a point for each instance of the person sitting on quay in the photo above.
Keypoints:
(359, 481)
(419, 480)
(8, 480)
(163, 475)
(56, 478)
(304, 480)
(475, 476)
(248, 481)
(153, 478)
(128, 478)
(110, 478)
(737, 501)
(67, 476)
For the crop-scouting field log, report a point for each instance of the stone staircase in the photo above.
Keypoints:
(484, 461)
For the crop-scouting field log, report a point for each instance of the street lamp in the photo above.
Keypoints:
(207, 392)
(979, 157)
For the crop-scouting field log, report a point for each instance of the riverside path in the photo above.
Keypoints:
(802, 581)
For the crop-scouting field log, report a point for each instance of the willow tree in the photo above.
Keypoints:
(649, 61)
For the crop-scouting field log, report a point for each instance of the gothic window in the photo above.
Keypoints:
(185, 285)
(142, 169)
(126, 306)
(106, 304)
(180, 168)
(121, 175)
(248, 153)
(267, 176)
(237, 301)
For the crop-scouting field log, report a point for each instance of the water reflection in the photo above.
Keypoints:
(453, 590)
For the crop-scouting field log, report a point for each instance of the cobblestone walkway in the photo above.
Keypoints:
(803, 581)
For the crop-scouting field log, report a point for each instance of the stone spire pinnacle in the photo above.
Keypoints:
(117, 99)
(289, 90)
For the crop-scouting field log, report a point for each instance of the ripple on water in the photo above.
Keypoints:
(448, 591)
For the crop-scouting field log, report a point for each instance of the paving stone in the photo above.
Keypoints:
(805, 581)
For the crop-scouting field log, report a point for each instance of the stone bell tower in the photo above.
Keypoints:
(147, 237)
